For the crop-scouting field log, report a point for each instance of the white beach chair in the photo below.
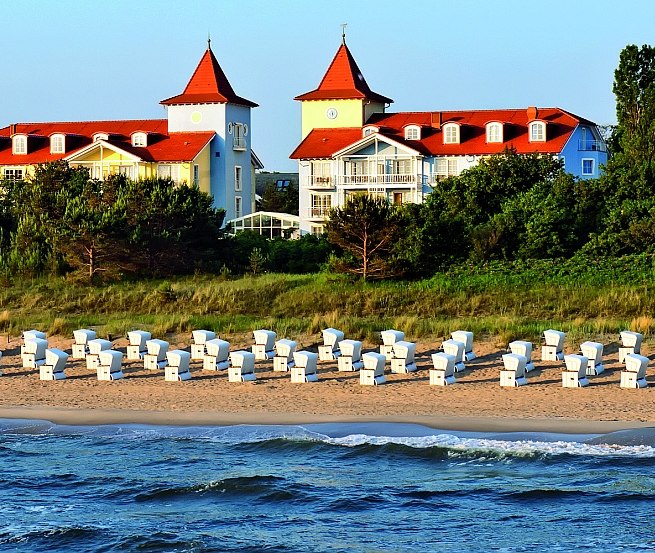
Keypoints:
(513, 372)
(304, 369)
(553, 346)
(110, 367)
(155, 358)
(456, 349)
(242, 367)
(351, 356)
(177, 368)
(442, 372)
(389, 338)
(574, 374)
(94, 348)
(630, 343)
(81, 338)
(137, 347)
(55, 362)
(372, 373)
(403, 357)
(284, 350)
(330, 348)
(593, 351)
(217, 355)
(525, 349)
(634, 374)
(33, 353)
(264, 345)
(200, 338)
(32, 334)
(466, 338)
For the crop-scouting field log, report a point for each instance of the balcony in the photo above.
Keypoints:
(317, 213)
(239, 144)
(591, 146)
(392, 179)
(313, 181)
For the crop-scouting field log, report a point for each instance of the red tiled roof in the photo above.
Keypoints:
(343, 80)
(162, 146)
(207, 85)
(321, 143)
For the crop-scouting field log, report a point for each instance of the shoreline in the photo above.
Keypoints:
(99, 417)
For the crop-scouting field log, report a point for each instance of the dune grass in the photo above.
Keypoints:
(498, 304)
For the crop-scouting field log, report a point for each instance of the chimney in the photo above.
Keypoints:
(435, 119)
(532, 112)
(12, 129)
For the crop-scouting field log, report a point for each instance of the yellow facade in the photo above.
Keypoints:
(317, 114)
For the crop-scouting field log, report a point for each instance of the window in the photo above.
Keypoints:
(587, 167)
(57, 144)
(445, 167)
(370, 130)
(196, 175)
(238, 185)
(168, 171)
(321, 204)
(451, 134)
(13, 174)
(239, 140)
(237, 206)
(19, 144)
(494, 132)
(139, 139)
(100, 136)
(321, 173)
(412, 133)
(537, 131)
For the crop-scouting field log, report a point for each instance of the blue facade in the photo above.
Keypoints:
(585, 153)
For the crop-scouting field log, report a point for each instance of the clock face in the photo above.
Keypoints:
(196, 117)
(331, 113)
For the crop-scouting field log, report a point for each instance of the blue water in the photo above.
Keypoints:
(329, 487)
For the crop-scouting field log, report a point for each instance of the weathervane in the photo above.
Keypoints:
(343, 32)
(209, 41)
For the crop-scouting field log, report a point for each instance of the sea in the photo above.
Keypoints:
(322, 487)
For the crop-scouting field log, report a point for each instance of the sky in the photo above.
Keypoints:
(76, 60)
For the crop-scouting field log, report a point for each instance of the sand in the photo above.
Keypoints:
(475, 402)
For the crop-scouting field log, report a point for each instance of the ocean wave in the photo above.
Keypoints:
(71, 538)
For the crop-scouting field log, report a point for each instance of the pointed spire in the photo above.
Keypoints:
(343, 33)
(208, 85)
(209, 41)
(343, 80)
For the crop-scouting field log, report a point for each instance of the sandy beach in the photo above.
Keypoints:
(475, 402)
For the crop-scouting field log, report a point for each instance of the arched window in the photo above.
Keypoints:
(494, 132)
(100, 136)
(57, 144)
(139, 139)
(451, 133)
(412, 132)
(369, 130)
(19, 144)
(537, 131)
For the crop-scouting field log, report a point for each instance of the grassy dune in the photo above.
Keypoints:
(496, 302)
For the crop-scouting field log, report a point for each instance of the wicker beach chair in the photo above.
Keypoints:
(372, 373)
(55, 362)
(403, 357)
(304, 369)
(94, 348)
(177, 368)
(520, 347)
(513, 372)
(634, 374)
(284, 350)
(217, 355)
(593, 351)
(155, 358)
(389, 338)
(630, 343)
(81, 339)
(200, 338)
(351, 356)
(110, 367)
(466, 338)
(456, 349)
(264, 346)
(553, 346)
(33, 353)
(137, 346)
(242, 366)
(329, 351)
(574, 374)
(442, 372)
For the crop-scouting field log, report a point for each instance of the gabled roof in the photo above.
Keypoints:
(208, 85)
(343, 81)
(560, 124)
(162, 145)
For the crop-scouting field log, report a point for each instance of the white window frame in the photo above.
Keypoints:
(100, 136)
(13, 173)
(19, 145)
(593, 167)
(196, 174)
(239, 138)
(413, 132)
(238, 206)
(58, 144)
(369, 130)
(169, 170)
(238, 178)
(494, 132)
(140, 139)
(537, 131)
(445, 167)
(320, 204)
(451, 133)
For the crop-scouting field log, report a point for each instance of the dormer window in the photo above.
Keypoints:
(537, 131)
(19, 144)
(139, 139)
(451, 133)
(370, 130)
(100, 136)
(57, 144)
(412, 132)
(494, 132)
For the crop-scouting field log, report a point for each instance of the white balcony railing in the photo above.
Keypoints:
(591, 146)
(381, 179)
(317, 212)
(313, 181)
(239, 143)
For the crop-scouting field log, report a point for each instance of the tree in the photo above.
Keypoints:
(366, 228)
(280, 199)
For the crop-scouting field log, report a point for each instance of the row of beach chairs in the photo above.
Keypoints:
(215, 355)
